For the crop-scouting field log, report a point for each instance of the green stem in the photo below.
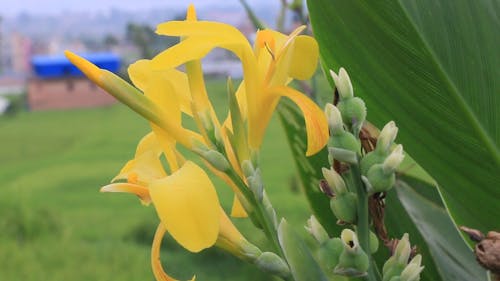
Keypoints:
(262, 215)
(362, 225)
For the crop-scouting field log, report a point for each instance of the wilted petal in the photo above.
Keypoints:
(187, 204)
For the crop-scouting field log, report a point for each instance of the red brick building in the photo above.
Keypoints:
(56, 84)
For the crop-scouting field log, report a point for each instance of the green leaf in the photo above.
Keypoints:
(302, 264)
(451, 255)
(433, 67)
(309, 168)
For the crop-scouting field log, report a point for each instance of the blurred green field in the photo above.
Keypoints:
(55, 225)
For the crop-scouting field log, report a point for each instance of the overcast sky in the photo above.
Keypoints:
(13, 7)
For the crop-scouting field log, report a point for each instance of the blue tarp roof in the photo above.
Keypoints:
(59, 66)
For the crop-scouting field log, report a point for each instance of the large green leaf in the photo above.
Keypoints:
(451, 256)
(433, 66)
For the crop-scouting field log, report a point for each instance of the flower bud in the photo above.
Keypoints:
(379, 180)
(272, 263)
(255, 184)
(345, 140)
(329, 254)
(353, 111)
(247, 168)
(391, 163)
(334, 119)
(217, 159)
(342, 83)
(353, 261)
(398, 263)
(373, 243)
(384, 142)
(370, 159)
(387, 137)
(334, 180)
(344, 207)
(316, 230)
(412, 270)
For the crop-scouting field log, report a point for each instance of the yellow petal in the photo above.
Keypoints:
(148, 143)
(144, 78)
(142, 169)
(140, 191)
(316, 123)
(187, 204)
(237, 211)
(158, 271)
(304, 58)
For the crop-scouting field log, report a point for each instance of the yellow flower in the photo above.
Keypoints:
(186, 201)
(268, 68)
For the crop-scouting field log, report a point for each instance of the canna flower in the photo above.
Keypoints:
(268, 67)
(185, 200)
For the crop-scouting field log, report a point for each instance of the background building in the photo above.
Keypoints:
(57, 84)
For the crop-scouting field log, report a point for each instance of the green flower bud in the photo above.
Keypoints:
(335, 181)
(316, 230)
(353, 261)
(372, 158)
(329, 254)
(344, 207)
(334, 119)
(272, 263)
(247, 168)
(412, 270)
(387, 137)
(342, 83)
(255, 184)
(345, 140)
(391, 163)
(216, 159)
(380, 181)
(398, 262)
(353, 112)
(373, 243)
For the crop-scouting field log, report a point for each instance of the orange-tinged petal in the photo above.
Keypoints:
(143, 169)
(315, 119)
(187, 204)
(139, 190)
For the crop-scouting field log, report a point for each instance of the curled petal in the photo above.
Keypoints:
(187, 204)
(139, 190)
(158, 272)
(315, 119)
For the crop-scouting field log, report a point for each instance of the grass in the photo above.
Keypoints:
(55, 225)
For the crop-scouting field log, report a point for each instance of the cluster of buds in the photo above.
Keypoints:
(401, 266)
(353, 109)
(339, 255)
(379, 165)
